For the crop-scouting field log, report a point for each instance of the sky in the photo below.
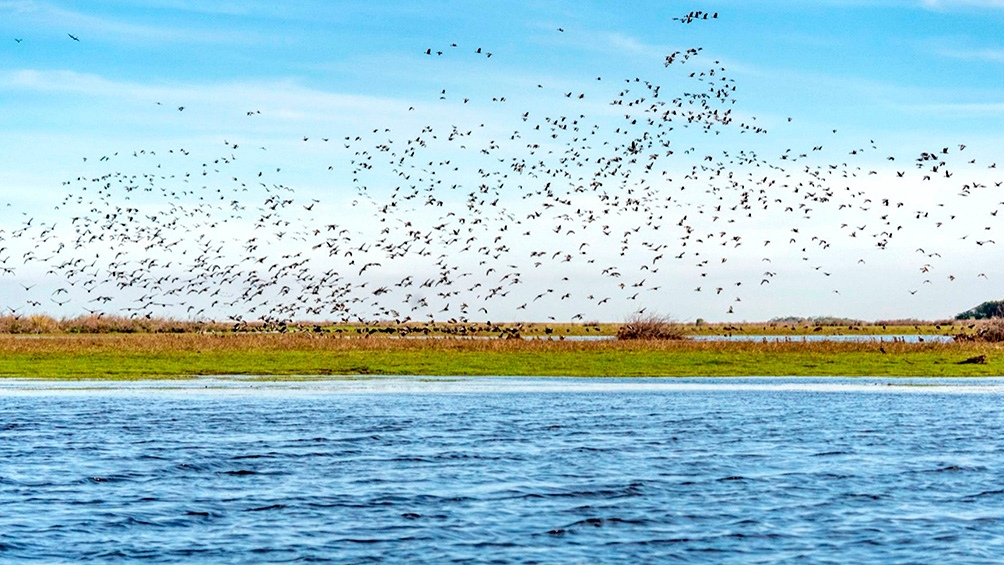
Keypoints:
(505, 161)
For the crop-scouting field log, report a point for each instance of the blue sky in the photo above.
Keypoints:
(893, 78)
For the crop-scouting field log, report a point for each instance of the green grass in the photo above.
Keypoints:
(147, 356)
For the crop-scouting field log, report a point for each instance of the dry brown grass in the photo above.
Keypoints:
(100, 324)
(34, 324)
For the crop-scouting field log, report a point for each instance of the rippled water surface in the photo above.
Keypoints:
(504, 470)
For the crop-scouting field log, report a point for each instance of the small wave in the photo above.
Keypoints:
(265, 508)
(602, 522)
(957, 469)
(862, 495)
(997, 492)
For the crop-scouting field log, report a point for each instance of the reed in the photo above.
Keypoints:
(101, 324)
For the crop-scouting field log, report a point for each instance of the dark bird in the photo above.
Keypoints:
(73, 37)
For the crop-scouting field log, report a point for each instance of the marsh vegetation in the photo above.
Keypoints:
(144, 356)
(639, 326)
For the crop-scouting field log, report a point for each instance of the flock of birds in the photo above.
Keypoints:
(621, 198)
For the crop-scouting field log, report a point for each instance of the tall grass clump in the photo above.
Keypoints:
(100, 324)
(650, 326)
(34, 324)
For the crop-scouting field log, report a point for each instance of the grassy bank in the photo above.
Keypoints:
(144, 356)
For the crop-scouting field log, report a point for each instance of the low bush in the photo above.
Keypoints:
(992, 332)
(650, 327)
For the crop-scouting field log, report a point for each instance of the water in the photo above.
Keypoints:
(503, 470)
(905, 338)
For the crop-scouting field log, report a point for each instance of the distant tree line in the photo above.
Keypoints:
(985, 311)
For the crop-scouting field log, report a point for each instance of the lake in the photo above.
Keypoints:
(503, 470)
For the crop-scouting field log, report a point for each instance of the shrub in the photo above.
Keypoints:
(992, 332)
(33, 324)
(989, 332)
(650, 327)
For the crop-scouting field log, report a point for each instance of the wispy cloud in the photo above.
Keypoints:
(199, 7)
(18, 6)
(90, 25)
(275, 92)
(992, 55)
(949, 4)
(286, 106)
(990, 109)
(622, 43)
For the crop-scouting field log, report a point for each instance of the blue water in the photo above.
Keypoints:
(905, 338)
(504, 470)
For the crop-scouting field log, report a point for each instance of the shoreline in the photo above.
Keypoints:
(418, 384)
